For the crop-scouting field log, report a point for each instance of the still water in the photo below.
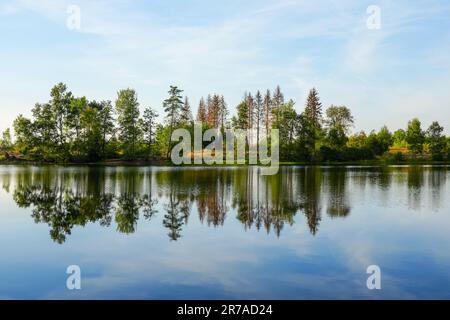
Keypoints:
(224, 233)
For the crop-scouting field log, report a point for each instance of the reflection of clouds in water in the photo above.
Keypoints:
(309, 251)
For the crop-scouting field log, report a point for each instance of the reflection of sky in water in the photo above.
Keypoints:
(335, 223)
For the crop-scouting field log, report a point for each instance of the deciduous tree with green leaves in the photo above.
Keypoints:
(127, 108)
(436, 140)
(415, 137)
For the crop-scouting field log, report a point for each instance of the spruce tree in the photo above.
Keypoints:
(313, 110)
(201, 113)
(172, 107)
(223, 112)
(277, 103)
(259, 113)
(267, 111)
(186, 114)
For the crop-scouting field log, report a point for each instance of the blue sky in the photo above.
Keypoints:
(385, 76)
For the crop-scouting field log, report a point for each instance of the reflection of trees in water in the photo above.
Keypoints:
(211, 204)
(415, 186)
(310, 182)
(437, 179)
(173, 219)
(127, 212)
(338, 202)
(64, 200)
(264, 201)
(62, 209)
(67, 197)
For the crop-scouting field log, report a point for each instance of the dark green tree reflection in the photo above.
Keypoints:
(122, 197)
(338, 202)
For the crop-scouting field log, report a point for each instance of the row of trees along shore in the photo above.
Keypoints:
(75, 129)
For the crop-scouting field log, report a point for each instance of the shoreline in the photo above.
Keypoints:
(166, 163)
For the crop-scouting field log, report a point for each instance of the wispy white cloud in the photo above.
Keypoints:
(297, 44)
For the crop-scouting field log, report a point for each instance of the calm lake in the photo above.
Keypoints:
(224, 233)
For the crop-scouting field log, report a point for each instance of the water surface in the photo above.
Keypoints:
(224, 233)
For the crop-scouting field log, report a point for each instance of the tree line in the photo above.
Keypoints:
(74, 129)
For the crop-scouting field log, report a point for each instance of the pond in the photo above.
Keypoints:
(224, 232)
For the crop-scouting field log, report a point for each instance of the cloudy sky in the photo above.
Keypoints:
(386, 76)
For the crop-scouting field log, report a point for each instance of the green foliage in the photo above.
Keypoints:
(185, 112)
(336, 137)
(339, 120)
(415, 137)
(339, 117)
(172, 107)
(242, 120)
(68, 128)
(397, 157)
(448, 148)
(399, 137)
(436, 141)
(286, 124)
(385, 138)
(201, 113)
(130, 134)
(149, 128)
(305, 139)
(5, 141)
(312, 123)
(313, 110)
(163, 134)
(24, 133)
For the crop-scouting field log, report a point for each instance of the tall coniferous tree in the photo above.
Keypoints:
(214, 111)
(172, 107)
(267, 111)
(277, 103)
(241, 121)
(313, 110)
(313, 119)
(201, 112)
(209, 111)
(186, 114)
(223, 112)
(250, 101)
(259, 113)
(250, 109)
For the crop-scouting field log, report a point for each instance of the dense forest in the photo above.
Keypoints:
(74, 129)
